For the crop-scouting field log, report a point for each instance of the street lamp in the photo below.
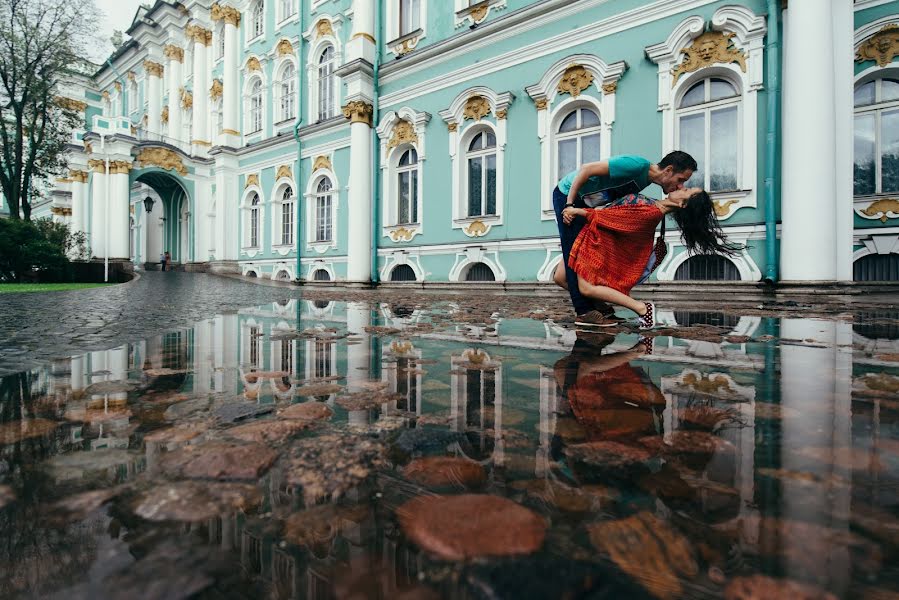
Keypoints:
(148, 204)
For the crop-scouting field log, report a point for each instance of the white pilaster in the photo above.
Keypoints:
(175, 56)
(98, 208)
(362, 42)
(79, 199)
(154, 96)
(358, 317)
(230, 87)
(844, 62)
(119, 210)
(200, 137)
(227, 201)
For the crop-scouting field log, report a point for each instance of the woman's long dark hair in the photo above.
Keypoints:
(699, 227)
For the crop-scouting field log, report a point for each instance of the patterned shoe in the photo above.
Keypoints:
(594, 318)
(648, 344)
(648, 320)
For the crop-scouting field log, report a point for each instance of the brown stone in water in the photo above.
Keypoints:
(7, 495)
(649, 550)
(16, 431)
(471, 526)
(558, 495)
(269, 432)
(687, 442)
(321, 389)
(96, 415)
(446, 471)
(172, 435)
(255, 376)
(329, 465)
(762, 587)
(192, 501)
(318, 526)
(308, 411)
(79, 506)
(608, 454)
(218, 460)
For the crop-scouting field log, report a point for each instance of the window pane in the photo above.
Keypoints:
(889, 90)
(403, 213)
(692, 141)
(723, 148)
(491, 140)
(864, 95)
(864, 172)
(413, 196)
(491, 184)
(722, 89)
(474, 186)
(477, 143)
(589, 118)
(589, 148)
(569, 124)
(889, 151)
(567, 157)
(695, 95)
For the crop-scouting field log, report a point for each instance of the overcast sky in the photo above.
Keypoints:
(117, 14)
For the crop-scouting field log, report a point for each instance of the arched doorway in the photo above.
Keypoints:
(167, 224)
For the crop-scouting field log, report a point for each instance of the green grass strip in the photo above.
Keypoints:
(18, 288)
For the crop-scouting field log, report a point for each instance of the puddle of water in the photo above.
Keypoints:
(318, 450)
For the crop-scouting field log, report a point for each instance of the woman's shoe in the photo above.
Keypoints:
(648, 320)
(647, 343)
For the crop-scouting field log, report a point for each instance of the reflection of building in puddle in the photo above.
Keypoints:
(401, 371)
(722, 352)
(399, 316)
(875, 334)
(476, 402)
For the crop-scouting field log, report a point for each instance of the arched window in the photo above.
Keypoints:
(323, 201)
(288, 92)
(287, 215)
(257, 22)
(577, 140)
(479, 272)
(876, 267)
(407, 188)
(708, 123)
(877, 137)
(220, 37)
(480, 160)
(254, 114)
(325, 86)
(402, 273)
(321, 275)
(254, 221)
(704, 267)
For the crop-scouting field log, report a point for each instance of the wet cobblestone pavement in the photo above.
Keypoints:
(455, 448)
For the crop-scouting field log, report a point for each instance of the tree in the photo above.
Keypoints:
(38, 250)
(41, 41)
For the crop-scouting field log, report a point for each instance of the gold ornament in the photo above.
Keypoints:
(105, 95)
(199, 34)
(479, 13)
(575, 80)
(153, 69)
(722, 208)
(323, 27)
(284, 171)
(187, 99)
(501, 114)
(476, 107)
(118, 86)
(358, 111)
(476, 229)
(230, 132)
(284, 48)
(119, 167)
(71, 104)
(610, 88)
(322, 162)
(882, 47)
(253, 64)
(451, 127)
(251, 180)
(402, 235)
(161, 157)
(215, 91)
(228, 14)
(541, 103)
(172, 52)
(131, 76)
(403, 132)
(97, 165)
(710, 48)
(78, 176)
(88, 148)
(164, 116)
(881, 208)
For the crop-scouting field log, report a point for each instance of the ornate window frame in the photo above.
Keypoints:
(471, 111)
(250, 78)
(746, 32)
(324, 31)
(246, 208)
(282, 64)
(398, 131)
(749, 270)
(459, 398)
(469, 256)
(403, 43)
(309, 199)
(563, 87)
(401, 257)
(475, 13)
(280, 18)
(277, 202)
(250, 35)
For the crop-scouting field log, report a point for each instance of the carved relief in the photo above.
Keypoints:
(284, 171)
(723, 208)
(253, 64)
(187, 99)
(451, 127)
(575, 80)
(215, 91)
(882, 47)
(284, 48)
(105, 95)
(230, 15)
(887, 208)
(541, 103)
(476, 108)
(119, 167)
(96, 165)
(610, 88)
(161, 157)
(153, 69)
(712, 47)
(71, 104)
(358, 111)
(476, 229)
(78, 176)
(322, 162)
(323, 27)
(88, 148)
(199, 34)
(403, 132)
(131, 76)
(402, 234)
(252, 180)
(501, 114)
(118, 86)
(479, 13)
(172, 52)
(164, 116)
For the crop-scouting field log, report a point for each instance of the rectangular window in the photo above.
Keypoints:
(490, 192)
(692, 141)
(475, 186)
(889, 151)
(287, 8)
(322, 359)
(254, 346)
(410, 16)
(254, 228)
(323, 219)
(287, 356)
(287, 223)
(723, 144)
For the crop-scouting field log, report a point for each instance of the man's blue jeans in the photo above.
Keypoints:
(567, 234)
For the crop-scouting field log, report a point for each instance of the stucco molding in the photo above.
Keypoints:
(309, 198)
(399, 257)
(470, 256)
(398, 131)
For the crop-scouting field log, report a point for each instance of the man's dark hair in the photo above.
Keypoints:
(681, 161)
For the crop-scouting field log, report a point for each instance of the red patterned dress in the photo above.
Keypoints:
(612, 250)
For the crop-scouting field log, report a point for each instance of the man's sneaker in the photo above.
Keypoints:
(648, 320)
(594, 318)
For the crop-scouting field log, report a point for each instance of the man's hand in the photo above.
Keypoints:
(569, 213)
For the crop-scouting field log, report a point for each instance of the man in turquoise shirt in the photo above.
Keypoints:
(599, 183)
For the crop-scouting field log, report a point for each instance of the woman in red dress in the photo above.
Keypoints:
(614, 251)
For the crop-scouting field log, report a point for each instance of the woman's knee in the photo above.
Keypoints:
(559, 276)
(585, 288)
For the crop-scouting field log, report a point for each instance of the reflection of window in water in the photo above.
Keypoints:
(324, 351)
(283, 574)
(877, 325)
(287, 356)
(215, 530)
(406, 384)
(690, 318)
(251, 552)
(480, 397)
(401, 312)
(172, 351)
(254, 346)
(321, 304)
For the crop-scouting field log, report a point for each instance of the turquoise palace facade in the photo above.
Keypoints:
(419, 141)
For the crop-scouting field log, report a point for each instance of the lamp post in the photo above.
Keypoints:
(148, 208)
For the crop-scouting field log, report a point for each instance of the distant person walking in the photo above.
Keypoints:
(168, 260)
(162, 260)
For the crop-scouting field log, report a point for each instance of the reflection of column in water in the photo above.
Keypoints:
(814, 385)
(357, 355)
(229, 342)
(77, 378)
(549, 406)
(202, 356)
(118, 367)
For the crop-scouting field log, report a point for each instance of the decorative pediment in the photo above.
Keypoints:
(405, 126)
(575, 80)
(882, 47)
(710, 48)
(476, 107)
(403, 133)
(883, 210)
(284, 171)
(322, 162)
(253, 64)
(574, 75)
(162, 158)
(284, 48)
(252, 179)
(476, 103)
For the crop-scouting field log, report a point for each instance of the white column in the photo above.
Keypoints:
(809, 191)
(200, 138)
(79, 204)
(173, 77)
(119, 209)
(98, 208)
(844, 75)
(154, 96)
(360, 193)
(361, 44)
(230, 88)
(227, 201)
